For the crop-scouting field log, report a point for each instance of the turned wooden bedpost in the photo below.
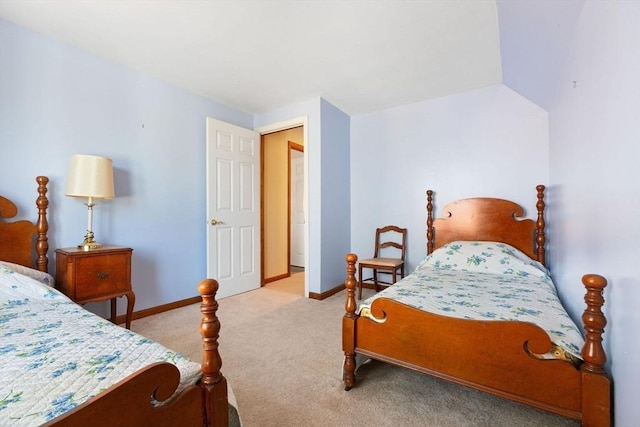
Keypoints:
(429, 221)
(540, 236)
(42, 225)
(349, 323)
(214, 384)
(596, 387)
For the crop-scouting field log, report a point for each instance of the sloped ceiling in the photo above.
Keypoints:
(535, 39)
(256, 56)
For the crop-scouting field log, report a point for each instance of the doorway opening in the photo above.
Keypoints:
(283, 209)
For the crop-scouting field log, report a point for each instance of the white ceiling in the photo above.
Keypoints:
(257, 56)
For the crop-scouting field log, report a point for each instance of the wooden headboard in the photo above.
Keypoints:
(17, 244)
(488, 219)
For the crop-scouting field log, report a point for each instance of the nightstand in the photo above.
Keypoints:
(96, 275)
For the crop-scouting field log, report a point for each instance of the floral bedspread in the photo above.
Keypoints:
(488, 281)
(54, 355)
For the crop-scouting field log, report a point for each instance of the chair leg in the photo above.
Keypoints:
(393, 276)
(375, 279)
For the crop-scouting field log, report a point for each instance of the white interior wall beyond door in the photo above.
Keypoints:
(233, 207)
(297, 208)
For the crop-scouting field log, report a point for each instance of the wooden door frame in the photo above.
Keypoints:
(276, 127)
(262, 209)
(264, 130)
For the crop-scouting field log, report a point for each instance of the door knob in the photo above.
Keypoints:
(215, 222)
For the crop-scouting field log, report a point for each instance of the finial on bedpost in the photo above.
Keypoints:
(594, 323)
(213, 382)
(540, 236)
(429, 221)
(42, 225)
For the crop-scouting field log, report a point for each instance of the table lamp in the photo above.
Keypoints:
(90, 177)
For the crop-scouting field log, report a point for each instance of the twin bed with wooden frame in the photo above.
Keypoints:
(145, 397)
(495, 356)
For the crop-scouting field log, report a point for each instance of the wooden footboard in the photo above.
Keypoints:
(130, 401)
(486, 355)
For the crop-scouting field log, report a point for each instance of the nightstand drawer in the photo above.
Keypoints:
(104, 275)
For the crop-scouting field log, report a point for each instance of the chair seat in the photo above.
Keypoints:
(382, 262)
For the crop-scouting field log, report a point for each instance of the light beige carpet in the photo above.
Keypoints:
(282, 356)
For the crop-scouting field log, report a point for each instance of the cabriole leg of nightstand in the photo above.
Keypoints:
(131, 300)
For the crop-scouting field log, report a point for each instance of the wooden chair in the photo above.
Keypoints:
(388, 239)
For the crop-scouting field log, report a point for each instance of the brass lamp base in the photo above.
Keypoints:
(89, 243)
(89, 246)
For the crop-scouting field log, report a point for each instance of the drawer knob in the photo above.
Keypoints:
(103, 275)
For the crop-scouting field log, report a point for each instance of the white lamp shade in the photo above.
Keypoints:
(90, 176)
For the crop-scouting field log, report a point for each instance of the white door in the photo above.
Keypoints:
(233, 207)
(297, 208)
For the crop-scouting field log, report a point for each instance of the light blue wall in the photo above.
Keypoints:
(594, 127)
(55, 101)
(335, 193)
(490, 142)
(595, 137)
